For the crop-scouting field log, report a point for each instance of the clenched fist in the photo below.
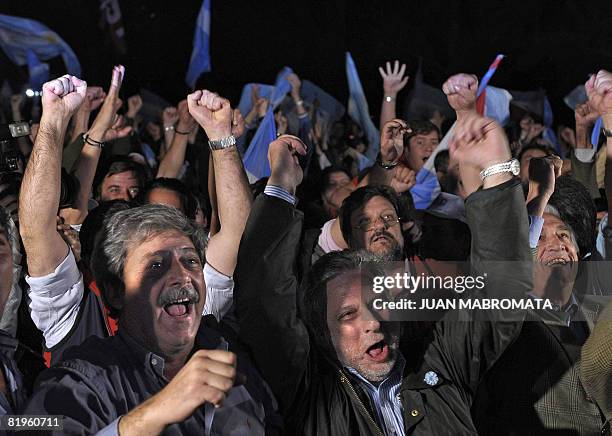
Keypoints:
(212, 112)
(62, 97)
(284, 162)
(460, 90)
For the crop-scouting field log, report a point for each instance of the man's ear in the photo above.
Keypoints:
(113, 292)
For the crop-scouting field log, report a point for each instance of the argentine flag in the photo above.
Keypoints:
(200, 55)
(27, 42)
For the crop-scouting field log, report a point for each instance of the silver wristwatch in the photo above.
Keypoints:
(220, 144)
(512, 166)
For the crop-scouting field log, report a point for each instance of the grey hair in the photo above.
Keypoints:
(131, 227)
(552, 210)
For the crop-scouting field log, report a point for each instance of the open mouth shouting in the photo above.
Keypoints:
(179, 302)
(379, 352)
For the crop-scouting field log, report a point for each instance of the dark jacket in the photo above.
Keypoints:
(319, 397)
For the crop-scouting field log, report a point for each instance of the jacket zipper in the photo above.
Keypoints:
(345, 380)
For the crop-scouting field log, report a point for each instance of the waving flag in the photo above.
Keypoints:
(39, 72)
(496, 104)
(200, 55)
(358, 109)
(18, 36)
(427, 187)
(256, 157)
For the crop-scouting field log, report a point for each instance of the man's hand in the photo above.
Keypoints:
(403, 179)
(284, 164)
(238, 126)
(393, 78)
(134, 106)
(118, 130)
(478, 143)
(392, 139)
(460, 90)
(94, 98)
(106, 117)
(260, 104)
(212, 112)
(599, 92)
(296, 85)
(186, 123)
(206, 378)
(585, 116)
(170, 116)
(543, 172)
(62, 97)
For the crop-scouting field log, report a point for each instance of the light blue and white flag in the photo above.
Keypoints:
(39, 71)
(246, 104)
(427, 187)
(256, 157)
(358, 109)
(20, 35)
(497, 104)
(200, 55)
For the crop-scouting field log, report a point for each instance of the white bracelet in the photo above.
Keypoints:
(168, 128)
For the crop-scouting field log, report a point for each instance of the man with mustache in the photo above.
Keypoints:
(167, 370)
(335, 366)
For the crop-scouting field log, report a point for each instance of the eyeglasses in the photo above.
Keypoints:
(366, 225)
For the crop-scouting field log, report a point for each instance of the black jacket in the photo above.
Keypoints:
(319, 397)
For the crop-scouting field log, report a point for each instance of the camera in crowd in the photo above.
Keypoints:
(10, 156)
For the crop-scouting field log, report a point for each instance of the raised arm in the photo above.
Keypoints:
(106, 127)
(266, 295)
(583, 156)
(599, 91)
(394, 81)
(171, 164)
(40, 190)
(234, 199)
(460, 91)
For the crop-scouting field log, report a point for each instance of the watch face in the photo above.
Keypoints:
(515, 167)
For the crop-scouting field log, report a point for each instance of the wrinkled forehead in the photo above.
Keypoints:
(374, 207)
(429, 136)
(344, 289)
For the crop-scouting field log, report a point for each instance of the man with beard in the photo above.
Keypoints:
(168, 369)
(334, 365)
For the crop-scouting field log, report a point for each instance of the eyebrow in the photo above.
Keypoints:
(183, 250)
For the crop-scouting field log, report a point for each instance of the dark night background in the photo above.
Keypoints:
(553, 44)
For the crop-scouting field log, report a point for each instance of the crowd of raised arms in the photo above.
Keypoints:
(151, 284)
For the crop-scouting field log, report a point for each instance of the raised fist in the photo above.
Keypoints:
(284, 163)
(62, 97)
(599, 91)
(134, 106)
(585, 115)
(212, 112)
(186, 123)
(170, 116)
(94, 98)
(238, 125)
(460, 90)
(403, 179)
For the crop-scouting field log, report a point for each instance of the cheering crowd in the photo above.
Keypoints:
(169, 290)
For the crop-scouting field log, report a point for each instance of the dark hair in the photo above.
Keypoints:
(94, 222)
(131, 227)
(326, 175)
(188, 202)
(534, 146)
(441, 161)
(314, 289)
(359, 198)
(420, 127)
(576, 209)
(118, 165)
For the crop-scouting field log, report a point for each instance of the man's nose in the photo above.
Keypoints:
(178, 274)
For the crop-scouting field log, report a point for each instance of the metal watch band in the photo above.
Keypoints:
(512, 166)
(220, 144)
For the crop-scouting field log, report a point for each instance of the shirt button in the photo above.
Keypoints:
(415, 413)
(154, 361)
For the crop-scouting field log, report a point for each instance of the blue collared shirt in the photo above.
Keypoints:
(385, 398)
